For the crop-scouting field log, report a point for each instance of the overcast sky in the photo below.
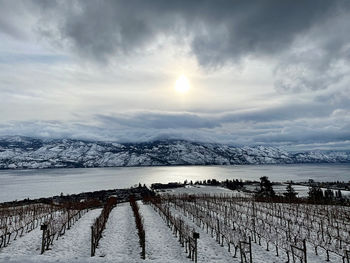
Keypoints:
(260, 72)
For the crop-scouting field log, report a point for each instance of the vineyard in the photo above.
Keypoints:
(17, 221)
(175, 228)
(288, 228)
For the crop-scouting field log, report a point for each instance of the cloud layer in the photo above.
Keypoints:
(309, 39)
(218, 31)
(262, 72)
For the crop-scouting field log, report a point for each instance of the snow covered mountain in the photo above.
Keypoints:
(17, 152)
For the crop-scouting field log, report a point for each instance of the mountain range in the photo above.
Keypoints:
(18, 152)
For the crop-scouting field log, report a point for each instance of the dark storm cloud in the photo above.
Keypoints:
(319, 61)
(256, 28)
(219, 30)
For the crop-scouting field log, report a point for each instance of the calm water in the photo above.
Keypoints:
(20, 184)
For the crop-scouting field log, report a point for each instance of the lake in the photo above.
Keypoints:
(20, 184)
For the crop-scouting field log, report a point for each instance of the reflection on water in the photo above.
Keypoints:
(20, 184)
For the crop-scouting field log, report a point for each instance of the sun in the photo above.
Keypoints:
(182, 84)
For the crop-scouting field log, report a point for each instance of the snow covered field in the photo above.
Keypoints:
(74, 246)
(120, 242)
(210, 251)
(207, 189)
(198, 189)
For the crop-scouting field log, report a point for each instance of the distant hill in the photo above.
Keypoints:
(17, 152)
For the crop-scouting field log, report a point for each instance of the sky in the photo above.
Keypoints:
(259, 72)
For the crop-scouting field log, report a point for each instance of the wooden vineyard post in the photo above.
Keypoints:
(92, 241)
(240, 249)
(243, 251)
(4, 238)
(250, 250)
(181, 233)
(299, 252)
(195, 236)
(68, 222)
(218, 231)
(143, 245)
(304, 249)
(253, 220)
(43, 227)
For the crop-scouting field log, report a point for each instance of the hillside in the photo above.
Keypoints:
(24, 152)
(272, 233)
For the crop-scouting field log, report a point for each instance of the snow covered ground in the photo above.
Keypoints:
(74, 246)
(302, 190)
(210, 251)
(208, 189)
(76, 242)
(23, 248)
(161, 244)
(120, 242)
(199, 189)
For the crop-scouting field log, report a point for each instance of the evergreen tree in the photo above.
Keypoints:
(266, 189)
(290, 193)
(315, 193)
(329, 195)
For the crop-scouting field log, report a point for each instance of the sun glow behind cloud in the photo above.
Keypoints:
(182, 84)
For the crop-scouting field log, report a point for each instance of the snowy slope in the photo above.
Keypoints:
(119, 240)
(74, 246)
(76, 242)
(25, 152)
(210, 251)
(119, 243)
(161, 244)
